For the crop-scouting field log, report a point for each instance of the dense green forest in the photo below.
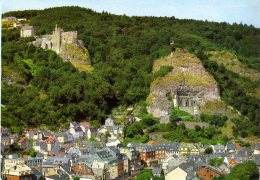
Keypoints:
(122, 51)
(247, 170)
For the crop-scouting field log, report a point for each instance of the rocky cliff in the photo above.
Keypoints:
(78, 56)
(187, 85)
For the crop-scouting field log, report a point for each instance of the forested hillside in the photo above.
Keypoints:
(44, 90)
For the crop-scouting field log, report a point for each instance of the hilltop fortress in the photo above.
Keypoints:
(67, 45)
(58, 40)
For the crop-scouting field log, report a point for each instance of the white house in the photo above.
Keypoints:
(176, 174)
(112, 142)
(114, 130)
(76, 130)
(38, 136)
(51, 142)
(91, 132)
(99, 168)
(27, 31)
(109, 122)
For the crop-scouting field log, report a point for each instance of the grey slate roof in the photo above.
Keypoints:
(48, 164)
(219, 147)
(57, 160)
(78, 129)
(105, 155)
(27, 28)
(55, 149)
(188, 166)
(147, 148)
(109, 122)
(257, 146)
(75, 124)
(39, 155)
(231, 146)
(115, 150)
(133, 144)
(42, 145)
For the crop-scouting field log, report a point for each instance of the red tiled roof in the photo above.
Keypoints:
(24, 156)
(237, 146)
(27, 130)
(76, 168)
(22, 140)
(232, 161)
(84, 123)
(50, 139)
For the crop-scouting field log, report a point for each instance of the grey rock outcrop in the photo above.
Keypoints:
(188, 86)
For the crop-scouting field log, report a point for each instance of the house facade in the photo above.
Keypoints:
(176, 174)
(208, 173)
(188, 149)
(27, 31)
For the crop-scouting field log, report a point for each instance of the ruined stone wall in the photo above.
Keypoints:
(58, 40)
(69, 37)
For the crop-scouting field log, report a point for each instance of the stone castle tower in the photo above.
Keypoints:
(56, 39)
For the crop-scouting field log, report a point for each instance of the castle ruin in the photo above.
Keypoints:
(187, 100)
(58, 40)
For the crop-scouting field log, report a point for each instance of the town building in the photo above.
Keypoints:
(188, 149)
(207, 173)
(176, 174)
(27, 31)
(30, 162)
(18, 172)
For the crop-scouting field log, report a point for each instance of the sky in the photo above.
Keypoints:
(245, 11)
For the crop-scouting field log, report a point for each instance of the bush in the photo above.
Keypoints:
(216, 162)
(209, 150)
(162, 71)
(178, 114)
(216, 120)
(245, 171)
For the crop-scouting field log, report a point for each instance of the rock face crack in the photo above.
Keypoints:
(188, 86)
